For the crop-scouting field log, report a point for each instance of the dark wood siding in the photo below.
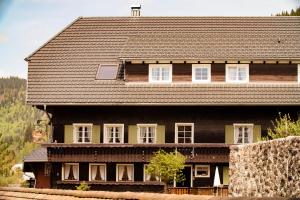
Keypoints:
(182, 72)
(111, 171)
(138, 172)
(136, 72)
(275, 72)
(83, 171)
(209, 122)
(218, 72)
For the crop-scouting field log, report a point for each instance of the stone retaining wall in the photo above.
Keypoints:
(269, 168)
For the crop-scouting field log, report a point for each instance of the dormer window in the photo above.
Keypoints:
(237, 73)
(160, 73)
(107, 72)
(201, 73)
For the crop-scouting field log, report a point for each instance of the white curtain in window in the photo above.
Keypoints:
(76, 171)
(120, 172)
(66, 171)
(94, 171)
(129, 172)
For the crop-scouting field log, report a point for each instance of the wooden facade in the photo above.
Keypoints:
(183, 72)
(209, 146)
(209, 122)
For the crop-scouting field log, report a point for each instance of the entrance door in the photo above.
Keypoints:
(187, 173)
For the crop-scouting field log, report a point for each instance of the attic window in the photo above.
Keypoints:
(107, 72)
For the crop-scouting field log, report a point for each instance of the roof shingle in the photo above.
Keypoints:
(63, 71)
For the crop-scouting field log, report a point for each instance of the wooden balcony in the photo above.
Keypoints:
(128, 153)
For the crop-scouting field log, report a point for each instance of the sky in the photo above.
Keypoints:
(25, 25)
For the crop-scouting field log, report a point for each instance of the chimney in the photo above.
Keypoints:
(136, 10)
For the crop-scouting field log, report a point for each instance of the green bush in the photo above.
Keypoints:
(283, 126)
(83, 186)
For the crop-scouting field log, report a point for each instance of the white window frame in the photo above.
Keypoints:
(199, 176)
(105, 126)
(90, 171)
(246, 66)
(63, 171)
(75, 139)
(117, 172)
(184, 124)
(146, 125)
(145, 166)
(160, 66)
(298, 73)
(250, 136)
(197, 66)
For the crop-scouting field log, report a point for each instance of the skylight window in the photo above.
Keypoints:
(107, 72)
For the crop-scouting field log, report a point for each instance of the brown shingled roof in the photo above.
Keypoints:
(63, 70)
(38, 155)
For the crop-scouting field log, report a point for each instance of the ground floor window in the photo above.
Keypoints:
(148, 177)
(97, 172)
(125, 172)
(202, 171)
(70, 171)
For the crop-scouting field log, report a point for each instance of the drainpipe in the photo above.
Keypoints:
(50, 134)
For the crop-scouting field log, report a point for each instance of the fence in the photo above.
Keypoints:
(221, 191)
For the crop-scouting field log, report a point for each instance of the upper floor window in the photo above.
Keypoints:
(113, 133)
(97, 172)
(82, 133)
(237, 73)
(160, 73)
(146, 133)
(201, 73)
(243, 133)
(70, 171)
(107, 72)
(184, 133)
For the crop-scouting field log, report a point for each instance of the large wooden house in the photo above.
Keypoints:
(117, 89)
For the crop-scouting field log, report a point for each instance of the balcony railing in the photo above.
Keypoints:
(221, 191)
(198, 152)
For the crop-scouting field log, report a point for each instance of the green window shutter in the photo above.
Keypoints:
(225, 175)
(132, 134)
(96, 134)
(229, 134)
(256, 133)
(68, 134)
(160, 134)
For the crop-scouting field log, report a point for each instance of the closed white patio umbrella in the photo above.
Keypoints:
(217, 181)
